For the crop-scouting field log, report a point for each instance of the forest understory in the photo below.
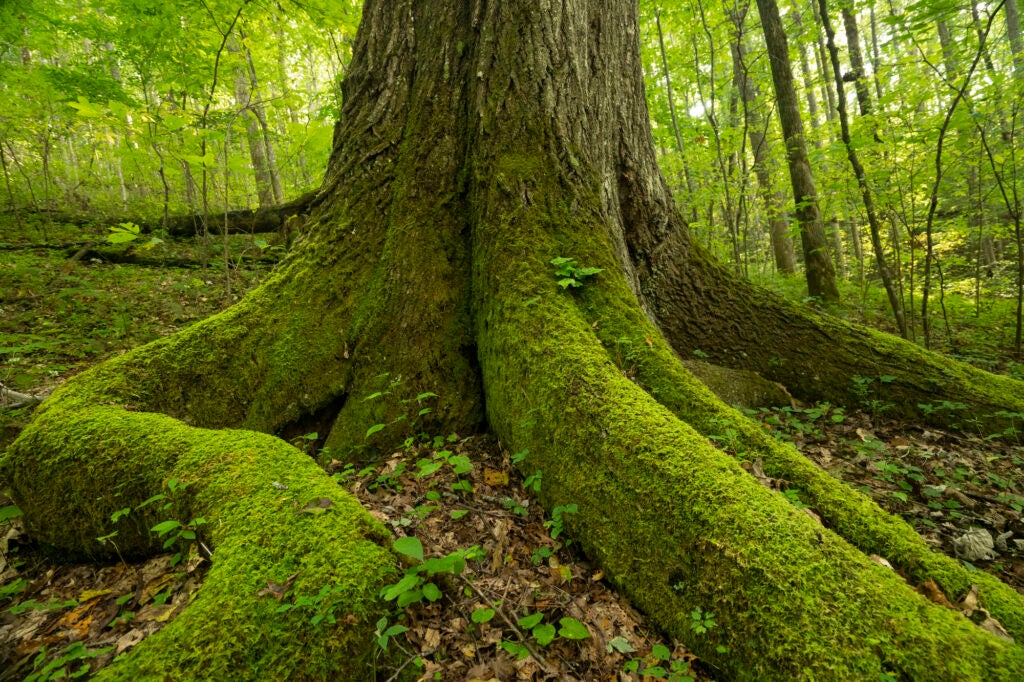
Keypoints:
(962, 491)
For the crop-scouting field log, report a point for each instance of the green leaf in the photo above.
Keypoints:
(460, 464)
(573, 629)
(531, 621)
(482, 615)
(165, 527)
(407, 583)
(410, 597)
(621, 645)
(424, 396)
(373, 429)
(516, 649)
(661, 652)
(544, 634)
(568, 282)
(123, 233)
(432, 592)
(409, 546)
(10, 512)
(458, 514)
(586, 272)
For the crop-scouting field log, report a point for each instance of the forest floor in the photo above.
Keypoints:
(526, 606)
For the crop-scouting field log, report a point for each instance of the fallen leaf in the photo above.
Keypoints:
(931, 590)
(78, 621)
(865, 435)
(317, 506)
(970, 601)
(92, 594)
(128, 640)
(992, 625)
(277, 590)
(493, 477)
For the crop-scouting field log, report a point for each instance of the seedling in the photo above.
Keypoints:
(569, 272)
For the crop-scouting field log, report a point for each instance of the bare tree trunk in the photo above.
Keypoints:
(821, 277)
(1013, 35)
(895, 300)
(672, 106)
(261, 115)
(254, 137)
(757, 129)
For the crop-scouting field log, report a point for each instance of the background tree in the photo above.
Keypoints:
(819, 270)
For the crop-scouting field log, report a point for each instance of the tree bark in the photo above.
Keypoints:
(479, 141)
(821, 275)
(757, 131)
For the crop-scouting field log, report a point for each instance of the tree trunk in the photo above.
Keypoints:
(821, 275)
(479, 141)
(891, 289)
(261, 115)
(253, 132)
(1013, 35)
(757, 131)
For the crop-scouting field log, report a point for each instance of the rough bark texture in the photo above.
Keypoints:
(481, 140)
(821, 275)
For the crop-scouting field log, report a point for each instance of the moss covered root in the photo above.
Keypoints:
(676, 523)
(265, 518)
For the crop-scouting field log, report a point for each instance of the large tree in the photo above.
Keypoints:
(478, 142)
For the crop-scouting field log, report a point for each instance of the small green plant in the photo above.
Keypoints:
(65, 665)
(123, 233)
(173, 532)
(545, 633)
(533, 481)
(541, 554)
(701, 621)
(556, 526)
(793, 495)
(869, 394)
(31, 605)
(383, 633)
(413, 586)
(569, 272)
(514, 506)
(324, 604)
(654, 665)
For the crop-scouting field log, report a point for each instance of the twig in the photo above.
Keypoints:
(10, 399)
(402, 667)
(540, 659)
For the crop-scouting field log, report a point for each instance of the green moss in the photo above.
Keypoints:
(675, 523)
(80, 464)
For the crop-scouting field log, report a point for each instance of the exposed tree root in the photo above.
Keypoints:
(252, 491)
(816, 357)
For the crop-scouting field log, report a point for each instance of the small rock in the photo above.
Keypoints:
(1001, 540)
